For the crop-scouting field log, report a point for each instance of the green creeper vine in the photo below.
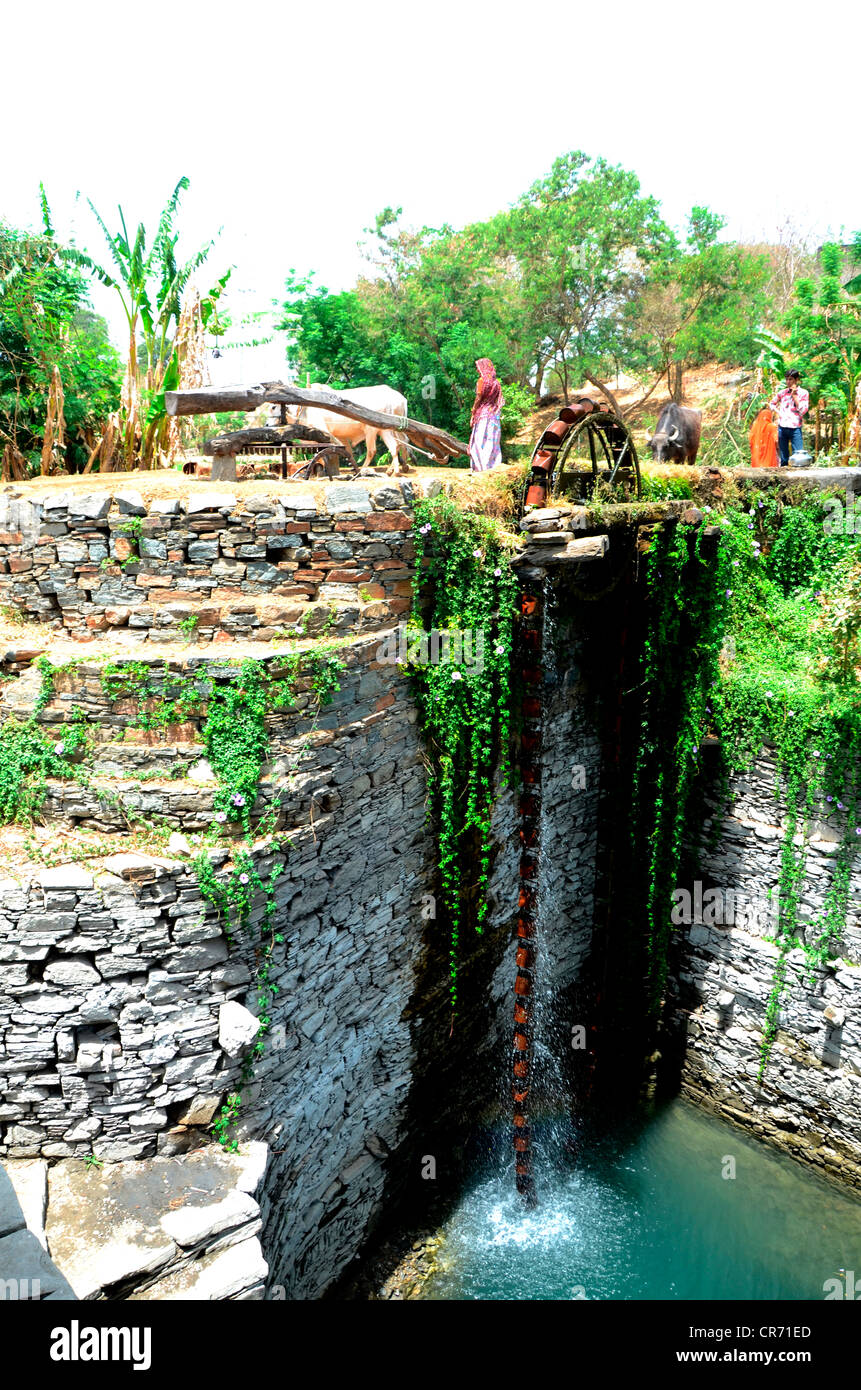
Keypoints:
(232, 899)
(761, 647)
(29, 756)
(234, 711)
(789, 679)
(467, 591)
(234, 730)
(686, 614)
(237, 745)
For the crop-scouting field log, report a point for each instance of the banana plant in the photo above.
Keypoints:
(170, 374)
(150, 283)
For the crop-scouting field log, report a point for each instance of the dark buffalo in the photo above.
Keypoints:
(677, 436)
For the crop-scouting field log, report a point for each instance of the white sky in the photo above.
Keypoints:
(295, 126)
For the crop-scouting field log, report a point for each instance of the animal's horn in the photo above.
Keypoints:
(675, 433)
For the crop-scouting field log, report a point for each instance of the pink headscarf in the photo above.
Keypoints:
(488, 391)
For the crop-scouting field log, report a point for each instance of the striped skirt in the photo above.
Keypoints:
(485, 444)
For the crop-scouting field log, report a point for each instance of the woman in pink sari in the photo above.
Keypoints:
(485, 449)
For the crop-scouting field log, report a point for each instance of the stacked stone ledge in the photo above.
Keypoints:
(140, 775)
(251, 567)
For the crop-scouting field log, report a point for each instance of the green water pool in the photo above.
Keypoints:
(652, 1211)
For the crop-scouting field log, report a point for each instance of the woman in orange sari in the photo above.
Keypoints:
(763, 441)
(485, 441)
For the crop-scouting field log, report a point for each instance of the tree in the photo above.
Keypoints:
(702, 303)
(49, 334)
(540, 288)
(329, 335)
(580, 274)
(790, 257)
(577, 247)
(418, 323)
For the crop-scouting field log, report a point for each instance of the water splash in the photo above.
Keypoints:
(645, 1214)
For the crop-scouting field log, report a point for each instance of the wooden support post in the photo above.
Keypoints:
(223, 469)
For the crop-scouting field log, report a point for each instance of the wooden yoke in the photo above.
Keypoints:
(209, 399)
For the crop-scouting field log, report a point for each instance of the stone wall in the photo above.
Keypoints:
(119, 989)
(160, 774)
(234, 564)
(110, 1000)
(126, 1014)
(571, 781)
(809, 1103)
(114, 981)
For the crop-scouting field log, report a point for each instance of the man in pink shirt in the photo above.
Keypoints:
(792, 404)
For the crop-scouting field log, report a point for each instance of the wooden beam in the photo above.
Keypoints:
(232, 442)
(209, 399)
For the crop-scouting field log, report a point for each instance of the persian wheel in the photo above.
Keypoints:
(597, 455)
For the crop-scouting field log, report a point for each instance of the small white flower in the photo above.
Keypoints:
(456, 676)
(477, 554)
(59, 747)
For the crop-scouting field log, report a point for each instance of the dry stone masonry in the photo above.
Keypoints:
(809, 1103)
(123, 1007)
(232, 566)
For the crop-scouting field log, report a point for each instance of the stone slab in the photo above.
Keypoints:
(191, 1226)
(23, 1261)
(239, 1272)
(104, 1225)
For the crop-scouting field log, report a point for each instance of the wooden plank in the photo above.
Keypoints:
(209, 399)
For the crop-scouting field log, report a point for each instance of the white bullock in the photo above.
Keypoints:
(351, 432)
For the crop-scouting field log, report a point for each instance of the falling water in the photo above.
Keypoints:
(542, 1124)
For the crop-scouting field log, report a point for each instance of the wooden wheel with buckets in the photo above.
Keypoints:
(586, 445)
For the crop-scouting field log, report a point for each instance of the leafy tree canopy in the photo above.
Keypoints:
(46, 320)
(578, 277)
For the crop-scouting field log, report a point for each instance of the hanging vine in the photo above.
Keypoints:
(760, 646)
(791, 680)
(686, 609)
(467, 592)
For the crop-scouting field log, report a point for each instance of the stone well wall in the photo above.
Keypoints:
(123, 1022)
(810, 1100)
(126, 1013)
(113, 980)
(240, 565)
